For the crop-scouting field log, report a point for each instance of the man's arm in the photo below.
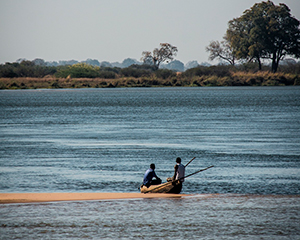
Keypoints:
(154, 175)
(175, 171)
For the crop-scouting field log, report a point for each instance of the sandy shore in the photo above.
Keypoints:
(54, 197)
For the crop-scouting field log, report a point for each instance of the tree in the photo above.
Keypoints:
(164, 53)
(221, 50)
(265, 31)
(79, 70)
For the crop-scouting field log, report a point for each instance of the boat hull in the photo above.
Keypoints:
(169, 187)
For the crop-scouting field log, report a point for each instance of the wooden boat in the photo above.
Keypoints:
(174, 186)
(168, 187)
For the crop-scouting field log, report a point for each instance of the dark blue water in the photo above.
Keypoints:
(104, 139)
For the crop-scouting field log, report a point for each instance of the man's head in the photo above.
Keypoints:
(152, 166)
(178, 160)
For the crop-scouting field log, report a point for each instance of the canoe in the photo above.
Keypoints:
(174, 186)
(168, 187)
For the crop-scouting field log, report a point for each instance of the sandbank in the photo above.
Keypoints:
(54, 197)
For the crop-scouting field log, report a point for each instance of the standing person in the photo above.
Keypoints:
(149, 175)
(179, 171)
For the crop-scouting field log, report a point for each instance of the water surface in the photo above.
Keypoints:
(103, 140)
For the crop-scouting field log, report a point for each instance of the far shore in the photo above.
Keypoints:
(235, 79)
(6, 198)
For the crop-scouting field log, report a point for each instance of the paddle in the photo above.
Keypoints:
(164, 184)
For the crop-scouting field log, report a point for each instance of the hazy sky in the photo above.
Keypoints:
(112, 30)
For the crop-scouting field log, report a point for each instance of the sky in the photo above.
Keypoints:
(113, 30)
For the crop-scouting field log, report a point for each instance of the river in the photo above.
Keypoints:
(103, 140)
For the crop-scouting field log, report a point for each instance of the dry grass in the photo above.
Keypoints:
(264, 78)
(235, 79)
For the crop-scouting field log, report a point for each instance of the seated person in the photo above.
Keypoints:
(149, 175)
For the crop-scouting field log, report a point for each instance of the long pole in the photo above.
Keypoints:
(201, 170)
(189, 162)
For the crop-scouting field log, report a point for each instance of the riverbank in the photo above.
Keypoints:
(234, 79)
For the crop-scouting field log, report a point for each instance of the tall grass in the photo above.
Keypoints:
(262, 78)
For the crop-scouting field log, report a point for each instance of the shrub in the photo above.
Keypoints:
(220, 71)
(135, 72)
(297, 81)
(25, 69)
(83, 70)
(107, 75)
(165, 73)
(211, 81)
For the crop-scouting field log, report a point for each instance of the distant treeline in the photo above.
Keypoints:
(82, 70)
(79, 70)
(27, 74)
(177, 80)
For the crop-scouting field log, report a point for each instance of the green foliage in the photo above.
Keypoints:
(220, 71)
(137, 71)
(80, 70)
(110, 69)
(28, 75)
(83, 70)
(133, 72)
(265, 31)
(107, 74)
(34, 69)
(9, 70)
(25, 69)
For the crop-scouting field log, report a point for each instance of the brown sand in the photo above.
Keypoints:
(53, 197)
